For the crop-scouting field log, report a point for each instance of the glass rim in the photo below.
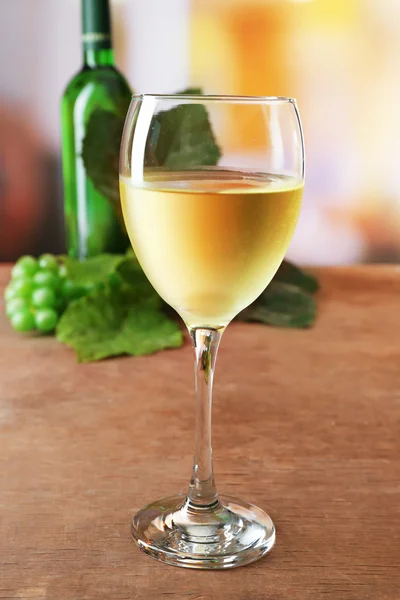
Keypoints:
(217, 97)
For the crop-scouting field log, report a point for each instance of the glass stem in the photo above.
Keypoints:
(202, 491)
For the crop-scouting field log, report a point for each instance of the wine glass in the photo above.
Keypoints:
(211, 190)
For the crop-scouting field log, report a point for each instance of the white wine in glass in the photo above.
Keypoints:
(210, 238)
(224, 235)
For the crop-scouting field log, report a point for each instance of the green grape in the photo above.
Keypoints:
(23, 288)
(62, 271)
(15, 305)
(70, 290)
(17, 271)
(22, 320)
(91, 287)
(10, 291)
(44, 297)
(46, 319)
(46, 279)
(26, 266)
(49, 262)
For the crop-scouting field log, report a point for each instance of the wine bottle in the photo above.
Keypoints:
(93, 110)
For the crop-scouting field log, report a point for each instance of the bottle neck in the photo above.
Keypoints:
(96, 33)
(98, 57)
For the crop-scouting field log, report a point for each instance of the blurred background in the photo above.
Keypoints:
(339, 58)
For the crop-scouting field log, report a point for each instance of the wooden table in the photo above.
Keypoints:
(306, 425)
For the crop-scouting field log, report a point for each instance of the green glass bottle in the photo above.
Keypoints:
(93, 110)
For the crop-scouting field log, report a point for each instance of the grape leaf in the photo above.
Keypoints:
(92, 271)
(131, 273)
(121, 312)
(289, 273)
(182, 137)
(100, 153)
(282, 305)
(114, 321)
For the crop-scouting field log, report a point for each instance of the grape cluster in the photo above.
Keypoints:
(38, 293)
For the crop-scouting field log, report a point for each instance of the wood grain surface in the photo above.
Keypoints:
(306, 425)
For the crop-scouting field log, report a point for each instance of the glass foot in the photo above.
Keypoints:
(228, 534)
